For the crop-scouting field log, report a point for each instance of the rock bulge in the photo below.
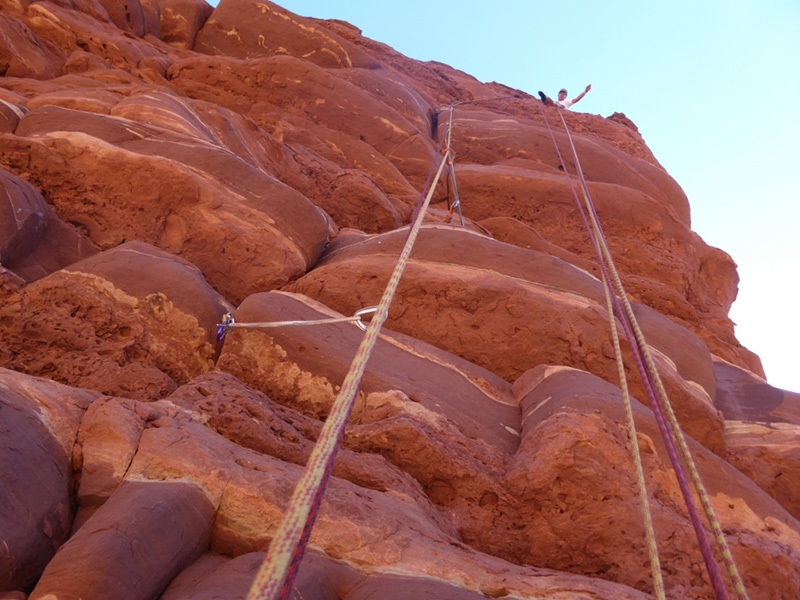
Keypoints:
(164, 163)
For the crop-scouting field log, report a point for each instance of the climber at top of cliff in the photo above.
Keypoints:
(562, 101)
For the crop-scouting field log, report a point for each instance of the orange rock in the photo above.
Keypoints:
(24, 54)
(163, 161)
(134, 545)
(131, 321)
(40, 421)
(279, 233)
(293, 86)
(761, 429)
(181, 20)
(33, 240)
(507, 309)
(266, 29)
(304, 366)
(579, 504)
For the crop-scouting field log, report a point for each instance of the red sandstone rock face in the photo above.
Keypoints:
(762, 425)
(33, 241)
(508, 310)
(133, 321)
(305, 367)
(181, 20)
(169, 195)
(102, 557)
(165, 163)
(266, 29)
(562, 410)
(40, 420)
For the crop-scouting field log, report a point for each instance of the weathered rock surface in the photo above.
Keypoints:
(191, 200)
(508, 309)
(132, 321)
(214, 576)
(762, 429)
(164, 163)
(305, 366)
(33, 240)
(113, 554)
(39, 424)
(573, 424)
(228, 499)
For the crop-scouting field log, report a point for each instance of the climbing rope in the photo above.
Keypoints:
(452, 171)
(639, 348)
(665, 405)
(275, 578)
(456, 205)
(641, 484)
(665, 417)
(228, 322)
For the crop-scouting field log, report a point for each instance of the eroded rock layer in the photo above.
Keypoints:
(167, 167)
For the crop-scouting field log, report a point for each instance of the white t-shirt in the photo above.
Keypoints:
(565, 103)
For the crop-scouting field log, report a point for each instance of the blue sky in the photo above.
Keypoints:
(712, 86)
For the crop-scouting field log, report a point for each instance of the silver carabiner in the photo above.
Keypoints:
(362, 312)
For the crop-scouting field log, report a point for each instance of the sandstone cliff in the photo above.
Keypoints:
(163, 163)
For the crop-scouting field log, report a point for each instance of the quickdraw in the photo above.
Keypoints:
(229, 323)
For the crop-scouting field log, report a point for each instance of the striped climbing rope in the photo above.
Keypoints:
(647, 373)
(641, 484)
(665, 417)
(665, 405)
(275, 578)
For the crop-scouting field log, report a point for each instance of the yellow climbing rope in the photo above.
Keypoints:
(677, 432)
(641, 484)
(275, 578)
